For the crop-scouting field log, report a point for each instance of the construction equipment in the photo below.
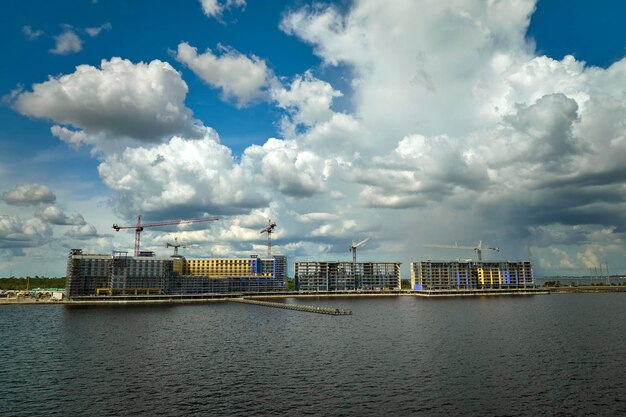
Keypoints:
(478, 248)
(139, 227)
(175, 245)
(354, 246)
(269, 230)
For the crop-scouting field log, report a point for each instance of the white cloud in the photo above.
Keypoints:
(56, 216)
(457, 131)
(215, 8)
(200, 176)
(289, 170)
(239, 77)
(307, 99)
(82, 232)
(95, 31)
(31, 34)
(143, 101)
(72, 137)
(18, 233)
(315, 217)
(67, 42)
(28, 194)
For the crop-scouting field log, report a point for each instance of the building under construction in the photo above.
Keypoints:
(469, 275)
(121, 274)
(346, 276)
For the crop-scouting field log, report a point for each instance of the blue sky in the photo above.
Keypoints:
(341, 120)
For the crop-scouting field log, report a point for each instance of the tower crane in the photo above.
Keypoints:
(269, 230)
(478, 248)
(354, 246)
(174, 245)
(140, 226)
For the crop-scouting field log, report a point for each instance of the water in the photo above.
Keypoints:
(539, 355)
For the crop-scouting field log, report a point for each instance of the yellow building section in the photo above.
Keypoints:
(219, 268)
(490, 275)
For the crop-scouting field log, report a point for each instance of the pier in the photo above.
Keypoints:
(297, 307)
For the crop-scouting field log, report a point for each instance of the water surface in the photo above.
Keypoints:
(536, 355)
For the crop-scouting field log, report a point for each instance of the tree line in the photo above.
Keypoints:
(22, 283)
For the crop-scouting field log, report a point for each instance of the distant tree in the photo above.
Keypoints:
(14, 283)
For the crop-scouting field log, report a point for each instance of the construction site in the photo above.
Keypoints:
(464, 275)
(121, 274)
(146, 274)
(468, 274)
(143, 274)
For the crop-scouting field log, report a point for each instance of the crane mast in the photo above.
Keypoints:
(174, 245)
(269, 230)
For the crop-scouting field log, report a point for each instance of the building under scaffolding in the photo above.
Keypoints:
(346, 276)
(468, 274)
(120, 274)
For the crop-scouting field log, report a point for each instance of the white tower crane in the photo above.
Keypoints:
(354, 246)
(175, 245)
(478, 248)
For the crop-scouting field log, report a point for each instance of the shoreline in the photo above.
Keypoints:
(211, 298)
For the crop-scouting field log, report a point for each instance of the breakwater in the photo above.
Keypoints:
(297, 307)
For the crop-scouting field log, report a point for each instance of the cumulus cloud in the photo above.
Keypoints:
(18, 233)
(457, 130)
(82, 232)
(74, 138)
(198, 176)
(30, 33)
(28, 194)
(56, 216)
(459, 114)
(287, 169)
(120, 99)
(240, 77)
(95, 31)
(68, 42)
(312, 217)
(202, 176)
(215, 8)
(307, 99)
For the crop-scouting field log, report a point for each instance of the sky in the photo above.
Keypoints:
(409, 122)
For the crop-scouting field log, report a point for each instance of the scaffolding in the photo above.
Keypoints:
(86, 273)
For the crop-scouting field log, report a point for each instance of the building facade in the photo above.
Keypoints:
(346, 276)
(466, 275)
(119, 273)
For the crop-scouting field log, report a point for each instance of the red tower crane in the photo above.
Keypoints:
(269, 229)
(139, 227)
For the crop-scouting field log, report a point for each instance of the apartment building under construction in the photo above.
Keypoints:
(346, 276)
(119, 273)
(468, 274)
